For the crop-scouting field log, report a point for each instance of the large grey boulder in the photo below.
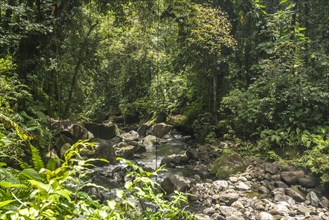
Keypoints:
(161, 129)
(105, 131)
(313, 198)
(104, 149)
(291, 177)
(150, 141)
(130, 136)
(295, 195)
(176, 182)
(128, 149)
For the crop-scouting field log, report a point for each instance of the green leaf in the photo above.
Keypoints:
(7, 202)
(12, 185)
(30, 174)
(64, 193)
(36, 158)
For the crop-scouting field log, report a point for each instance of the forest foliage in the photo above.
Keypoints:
(243, 70)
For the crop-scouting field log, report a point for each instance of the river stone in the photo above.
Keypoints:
(236, 216)
(280, 184)
(202, 217)
(150, 141)
(265, 216)
(303, 209)
(228, 198)
(228, 164)
(176, 182)
(220, 184)
(161, 129)
(280, 208)
(104, 149)
(130, 136)
(171, 160)
(263, 190)
(307, 181)
(324, 202)
(313, 198)
(192, 153)
(291, 177)
(271, 168)
(228, 211)
(295, 195)
(105, 131)
(242, 186)
(209, 211)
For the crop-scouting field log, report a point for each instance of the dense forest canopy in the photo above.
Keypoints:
(249, 71)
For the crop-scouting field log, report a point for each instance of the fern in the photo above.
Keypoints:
(36, 158)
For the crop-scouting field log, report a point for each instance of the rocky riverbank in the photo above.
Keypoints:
(221, 185)
(261, 192)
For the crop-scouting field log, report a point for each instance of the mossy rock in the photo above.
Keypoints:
(228, 164)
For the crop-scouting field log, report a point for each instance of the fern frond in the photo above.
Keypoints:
(36, 158)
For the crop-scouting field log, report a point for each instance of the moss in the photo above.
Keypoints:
(228, 164)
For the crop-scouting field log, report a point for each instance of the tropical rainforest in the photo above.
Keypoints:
(250, 72)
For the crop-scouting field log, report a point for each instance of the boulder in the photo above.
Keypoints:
(176, 182)
(307, 181)
(271, 168)
(228, 164)
(295, 195)
(174, 159)
(192, 153)
(130, 136)
(313, 198)
(105, 131)
(128, 149)
(202, 217)
(104, 149)
(265, 216)
(72, 130)
(161, 129)
(291, 177)
(150, 141)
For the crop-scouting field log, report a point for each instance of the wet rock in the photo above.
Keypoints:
(130, 136)
(192, 153)
(265, 216)
(128, 149)
(291, 177)
(150, 141)
(176, 182)
(104, 149)
(295, 195)
(105, 131)
(313, 198)
(174, 159)
(161, 129)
